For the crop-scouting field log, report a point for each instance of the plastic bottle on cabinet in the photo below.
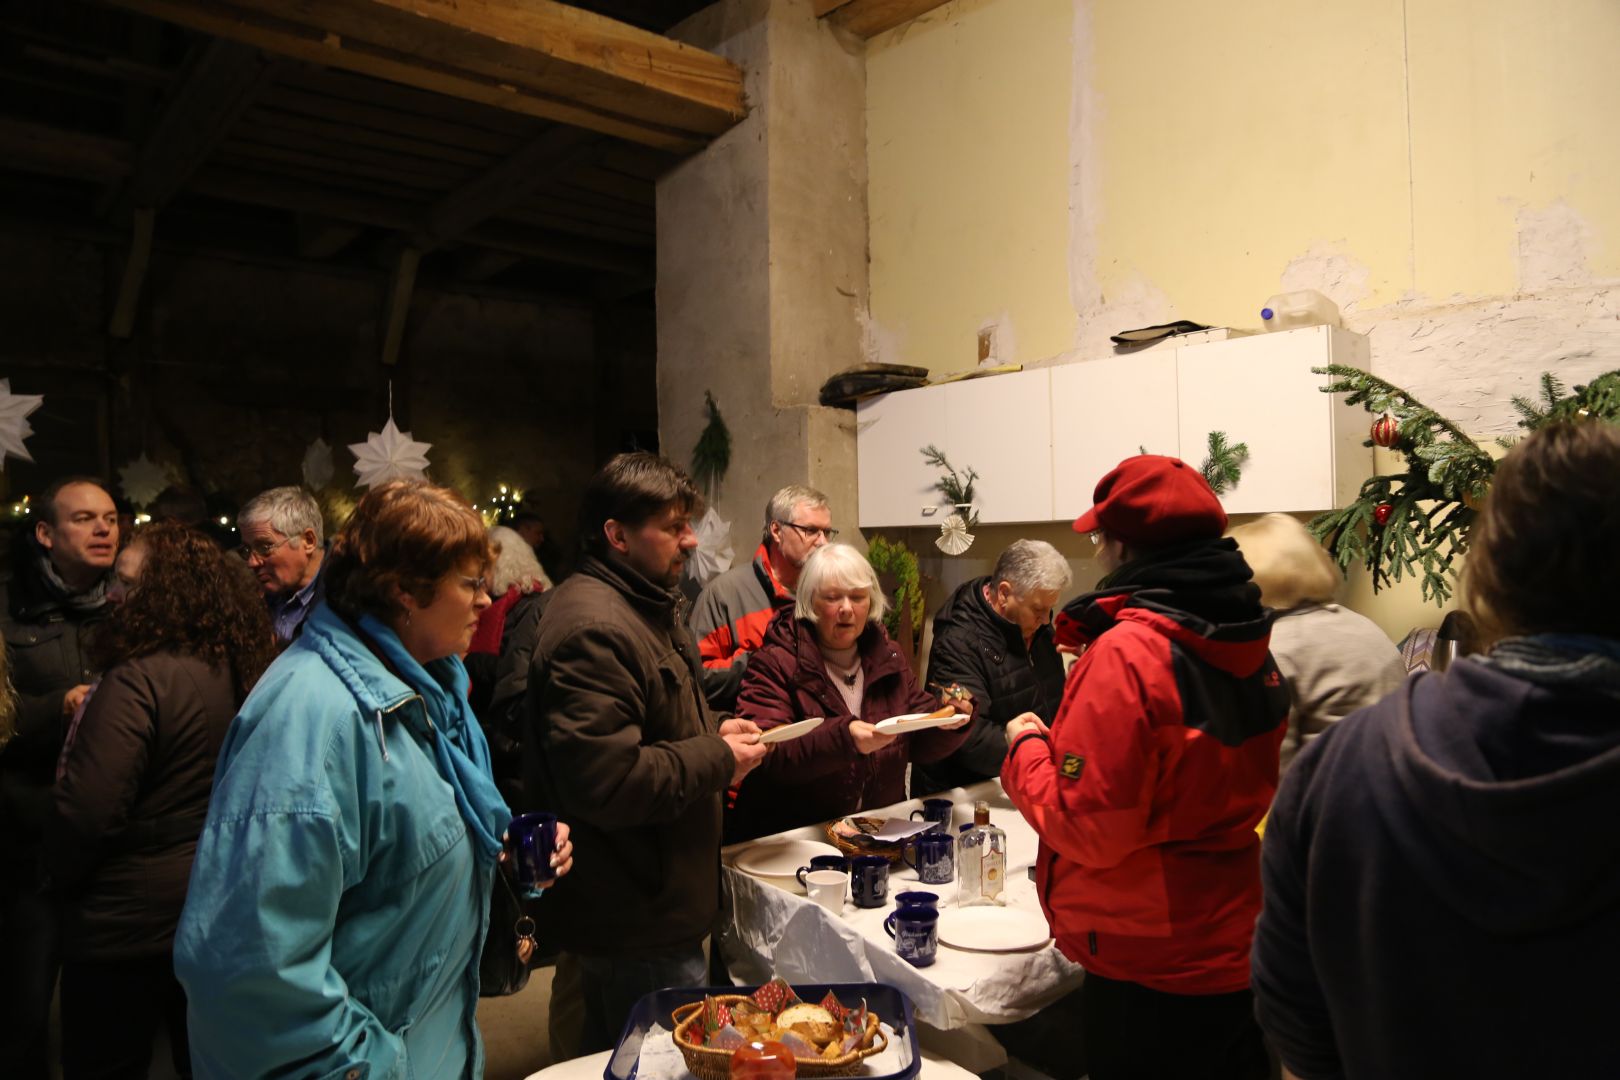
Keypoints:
(1291, 310)
(981, 863)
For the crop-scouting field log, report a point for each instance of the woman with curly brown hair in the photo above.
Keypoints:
(179, 656)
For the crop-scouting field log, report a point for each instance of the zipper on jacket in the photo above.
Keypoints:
(382, 738)
(1091, 941)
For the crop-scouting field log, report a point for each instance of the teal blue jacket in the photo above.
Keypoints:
(338, 900)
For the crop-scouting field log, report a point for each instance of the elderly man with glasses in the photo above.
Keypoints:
(281, 542)
(731, 613)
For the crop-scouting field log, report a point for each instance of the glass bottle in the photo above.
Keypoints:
(981, 863)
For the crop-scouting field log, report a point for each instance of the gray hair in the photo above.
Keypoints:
(1032, 566)
(789, 499)
(838, 565)
(515, 563)
(288, 510)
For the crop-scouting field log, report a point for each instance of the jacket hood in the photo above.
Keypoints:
(1502, 794)
(968, 609)
(650, 599)
(1200, 596)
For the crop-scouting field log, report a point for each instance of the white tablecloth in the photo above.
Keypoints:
(769, 930)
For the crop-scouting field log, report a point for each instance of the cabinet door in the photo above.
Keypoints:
(1103, 411)
(1261, 391)
(896, 488)
(1001, 427)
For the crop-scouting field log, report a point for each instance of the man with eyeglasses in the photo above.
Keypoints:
(281, 543)
(731, 613)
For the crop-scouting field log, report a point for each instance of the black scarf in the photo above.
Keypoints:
(1206, 578)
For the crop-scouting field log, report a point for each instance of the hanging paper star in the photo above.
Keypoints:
(390, 454)
(954, 537)
(143, 479)
(317, 465)
(14, 410)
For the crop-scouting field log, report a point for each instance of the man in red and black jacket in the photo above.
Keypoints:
(1148, 785)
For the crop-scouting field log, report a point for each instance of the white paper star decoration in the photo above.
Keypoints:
(954, 537)
(389, 454)
(143, 480)
(317, 465)
(14, 410)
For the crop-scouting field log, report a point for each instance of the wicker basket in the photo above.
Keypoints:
(851, 848)
(707, 1063)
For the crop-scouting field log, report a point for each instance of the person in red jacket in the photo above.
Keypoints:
(829, 656)
(1148, 785)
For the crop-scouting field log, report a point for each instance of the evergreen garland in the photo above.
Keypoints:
(957, 488)
(1223, 467)
(711, 457)
(896, 558)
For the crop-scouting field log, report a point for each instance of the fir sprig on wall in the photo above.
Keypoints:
(956, 487)
(711, 457)
(1223, 466)
(897, 559)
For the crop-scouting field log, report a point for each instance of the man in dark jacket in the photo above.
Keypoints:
(993, 638)
(1147, 787)
(58, 591)
(621, 743)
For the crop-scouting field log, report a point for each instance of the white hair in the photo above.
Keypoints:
(515, 563)
(1032, 566)
(288, 510)
(838, 566)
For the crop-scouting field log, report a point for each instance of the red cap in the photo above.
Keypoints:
(1154, 501)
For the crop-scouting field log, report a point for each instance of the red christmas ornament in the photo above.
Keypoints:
(1386, 431)
(1381, 513)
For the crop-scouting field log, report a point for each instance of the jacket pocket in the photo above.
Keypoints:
(677, 698)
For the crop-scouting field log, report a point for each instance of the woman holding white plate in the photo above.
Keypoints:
(828, 656)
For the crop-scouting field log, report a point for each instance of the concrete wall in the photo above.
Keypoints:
(762, 262)
(1065, 169)
(236, 367)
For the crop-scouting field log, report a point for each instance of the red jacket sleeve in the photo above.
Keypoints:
(1089, 792)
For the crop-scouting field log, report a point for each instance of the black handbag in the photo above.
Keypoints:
(509, 947)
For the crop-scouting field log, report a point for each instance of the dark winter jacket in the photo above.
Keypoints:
(729, 621)
(1442, 883)
(46, 641)
(985, 654)
(620, 743)
(822, 776)
(499, 680)
(1162, 760)
(131, 803)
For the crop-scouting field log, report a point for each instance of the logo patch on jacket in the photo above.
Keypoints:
(1071, 766)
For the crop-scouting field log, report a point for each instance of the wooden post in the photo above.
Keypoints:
(129, 289)
(397, 303)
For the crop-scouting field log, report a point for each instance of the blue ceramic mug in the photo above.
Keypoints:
(531, 841)
(823, 862)
(869, 880)
(936, 810)
(908, 901)
(916, 934)
(933, 856)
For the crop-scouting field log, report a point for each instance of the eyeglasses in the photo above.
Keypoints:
(1095, 536)
(476, 584)
(261, 552)
(810, 532)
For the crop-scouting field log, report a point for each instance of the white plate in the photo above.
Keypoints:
(917, 721)
(992, 929)
(777, 861)
(791, 731)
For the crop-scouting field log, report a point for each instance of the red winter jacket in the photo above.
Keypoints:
(821, 776)
(1162, 760)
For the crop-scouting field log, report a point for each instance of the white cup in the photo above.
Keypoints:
(827, 888)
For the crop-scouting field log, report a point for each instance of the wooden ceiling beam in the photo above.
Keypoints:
(536, 57)
(545, 157)
(868, 18)
(73, 155)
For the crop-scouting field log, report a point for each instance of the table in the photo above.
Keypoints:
(767, 930)
(594, 1066)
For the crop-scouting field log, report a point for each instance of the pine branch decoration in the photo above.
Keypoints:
(1223, 467)
(711, 457)
(956, 487)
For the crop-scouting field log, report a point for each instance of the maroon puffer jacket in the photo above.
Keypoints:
(822, 776)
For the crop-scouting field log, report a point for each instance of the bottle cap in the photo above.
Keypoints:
(1266, 314)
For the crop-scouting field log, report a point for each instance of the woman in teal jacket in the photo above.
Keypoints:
(340, 893)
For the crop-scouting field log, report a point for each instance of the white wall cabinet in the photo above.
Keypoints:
(1305, 449)
(1040, 440)
(1103, 411)
(1001, 427)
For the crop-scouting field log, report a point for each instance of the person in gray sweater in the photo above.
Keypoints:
(1335, 660)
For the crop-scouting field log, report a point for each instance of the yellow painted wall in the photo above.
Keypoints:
(967, 141)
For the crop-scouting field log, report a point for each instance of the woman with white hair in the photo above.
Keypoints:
(1335, 660)
(498, 658)
(829, 656)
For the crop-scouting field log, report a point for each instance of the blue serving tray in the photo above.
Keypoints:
(891, 1005)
